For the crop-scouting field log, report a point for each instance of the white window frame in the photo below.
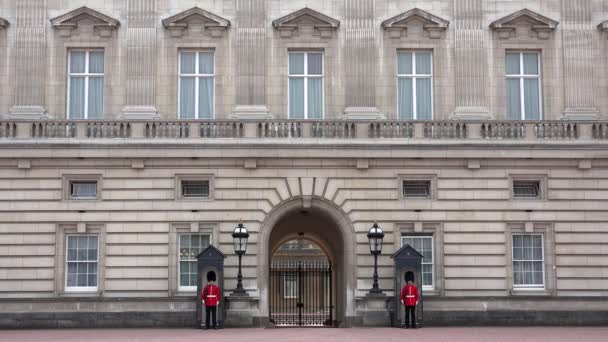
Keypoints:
(289, 279)
(66, 262)
(86, 76)
(420, 236)
(542, 261)
(414, 76)
(521, 76)
(306, 76)
(179, 260)
(197, 77)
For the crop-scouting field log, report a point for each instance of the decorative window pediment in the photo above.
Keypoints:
(540, 25)
(603, 27)
(306, 22)
(196, 20)
(86, 18)
(3, 23)
(397, 25)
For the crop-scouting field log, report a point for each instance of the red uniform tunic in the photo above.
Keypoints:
(211, 295)
(409, 295)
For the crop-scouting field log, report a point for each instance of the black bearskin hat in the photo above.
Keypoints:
(211, 276)
(409, 275)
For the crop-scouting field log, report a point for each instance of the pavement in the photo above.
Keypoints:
(512, 334)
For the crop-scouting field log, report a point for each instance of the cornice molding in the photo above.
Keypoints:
(505, 26)
(212, 23)
(103, 25)
(303, 18)
(397, 26)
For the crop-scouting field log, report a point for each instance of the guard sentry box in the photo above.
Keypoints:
(408, 264)
(210, 260)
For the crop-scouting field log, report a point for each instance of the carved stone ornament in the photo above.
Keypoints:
(506, 27)
(3, 23)
(196, 21)
(397, 25)
(306, 22)
(87, 19)
(604, 27)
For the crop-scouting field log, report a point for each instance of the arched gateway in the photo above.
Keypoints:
(323, 226)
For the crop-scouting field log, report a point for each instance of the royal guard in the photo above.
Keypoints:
(211, 299)
(409, 298)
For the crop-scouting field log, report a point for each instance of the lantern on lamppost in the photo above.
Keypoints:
(239, 237)
(375, 237)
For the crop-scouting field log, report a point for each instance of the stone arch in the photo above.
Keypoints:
(344, 256)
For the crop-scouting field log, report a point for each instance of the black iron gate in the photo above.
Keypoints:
(301, 293)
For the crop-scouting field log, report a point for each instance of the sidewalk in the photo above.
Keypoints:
(515, 334)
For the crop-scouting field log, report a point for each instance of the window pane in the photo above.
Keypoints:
(193, 188)
(406, 106)
(183, 279)
(513, 99)
(84, 190)
(404, 63)
(315, 64)
(205, 62)
(296, 63)
(92, 242)
(92, 280)
(423, 63)
(95, 97)
(512, 64)
(186, 97)
(77, 61)
(296, 98)
(96, 62)
(205, 98)
(423, 99)
(76, 98)
(315, 98)
(530, 63)
(188, 63)
(531, 99)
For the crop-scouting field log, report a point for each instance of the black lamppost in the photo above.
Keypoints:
(240, 236)
(375, 237)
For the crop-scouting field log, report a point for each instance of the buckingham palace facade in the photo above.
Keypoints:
(135, 133)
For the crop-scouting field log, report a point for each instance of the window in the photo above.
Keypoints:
(423, 244)
(82, 260)
(415, 85)
(195, 188)
(526, 189)
(196, 85)
(190, 245)
(417, 188)
(83, 189)
(290, 286)
(85, 84)
(306, 85)
(523, 86)
(528, 261)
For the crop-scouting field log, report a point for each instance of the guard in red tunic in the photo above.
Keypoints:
(409, 298)
(211, 299)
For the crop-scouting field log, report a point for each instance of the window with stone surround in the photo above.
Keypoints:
(306, 90)
(415, 85)
(196, 85)
(523, 79)
(190, 245)
(193, 187)
(82, 262)
(82, 187)
(528, 261)
(85, 84)
(423, 244)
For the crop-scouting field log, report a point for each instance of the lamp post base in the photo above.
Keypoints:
(374, 310)
(241, 310)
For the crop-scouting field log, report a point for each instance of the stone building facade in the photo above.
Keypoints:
(135, 132)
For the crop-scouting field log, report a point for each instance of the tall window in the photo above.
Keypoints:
(85, 84)
(423, 244)
(190, 245)
(306, 85)
(196, 84)
(523, 86)
(415, 85)
(528, 261)
(82, 259)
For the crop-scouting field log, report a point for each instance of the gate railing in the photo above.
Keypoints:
(301, 293)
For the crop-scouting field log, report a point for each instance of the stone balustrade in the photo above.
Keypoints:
(305, 129)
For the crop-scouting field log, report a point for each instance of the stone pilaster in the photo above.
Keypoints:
(578, 45)
(29, 41)
(360, 54)
(250, 46)
(141, 60)
(470, 60)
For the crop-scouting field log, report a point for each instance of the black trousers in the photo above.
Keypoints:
(210, 311)
(410, 310)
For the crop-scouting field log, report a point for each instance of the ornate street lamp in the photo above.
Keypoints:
(239, 237)
(375, 237)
